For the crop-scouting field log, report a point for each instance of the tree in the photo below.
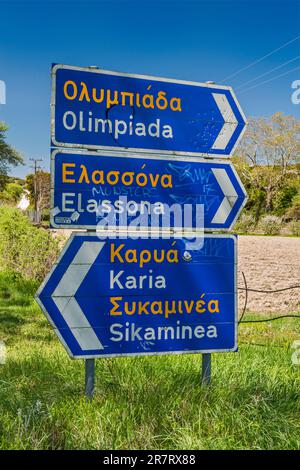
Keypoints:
(267, 157)
(38, 186)
(8, 156)
(12, 193)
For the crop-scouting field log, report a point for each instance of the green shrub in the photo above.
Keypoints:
(283, 199)
(295, 227)
(245, 224)
(270, 224)
(293, 213)
(11, 193)
(15, 290)
(25, 249)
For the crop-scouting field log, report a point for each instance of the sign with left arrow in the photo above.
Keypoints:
(89, 188)
(137, 297)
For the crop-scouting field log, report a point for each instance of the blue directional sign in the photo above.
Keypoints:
(134, 297)
(99, 109)
(88, 187)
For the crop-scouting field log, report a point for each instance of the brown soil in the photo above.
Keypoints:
(269, 263)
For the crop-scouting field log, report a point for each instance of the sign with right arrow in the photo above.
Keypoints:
(88, 188)
(100, 109)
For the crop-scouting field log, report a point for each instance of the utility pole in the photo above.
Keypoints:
(35, 167)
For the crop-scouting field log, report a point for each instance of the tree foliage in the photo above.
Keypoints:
(39, 187)
(8, 155)
(12, 193)
(24, 248)
(268, 163)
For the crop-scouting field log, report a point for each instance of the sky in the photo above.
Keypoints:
(218, 40)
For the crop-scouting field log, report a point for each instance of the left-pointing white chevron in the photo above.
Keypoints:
(230, 196)
(230, 122)
(64, 295)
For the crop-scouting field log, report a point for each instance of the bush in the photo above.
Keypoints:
(283, 199)
(270, 224)
(245, 224)
(295, 228)
(25, 249)
(11, 193)
(293, 213)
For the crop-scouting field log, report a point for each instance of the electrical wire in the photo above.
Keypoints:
(266, 73)
(269, 291)
(263, 320)
(269, 80)
(260, 59)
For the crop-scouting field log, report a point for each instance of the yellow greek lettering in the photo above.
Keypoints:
(143, 308)
(95, 97)
(84, 93)
(115, 253)
(97, 177)
(156, 307)
(129, 311)
(172, 256)
(83, 175)
(140, 176)
(113, 310)
(214, 309)
(113, 177)
(145, 257)
(153, 180)
(161, 96)
(111, 102)
(125, 94)
(66, 172)
(148, 101)
(178, 104)
(124, 178)
(66, 93)
(166, 181)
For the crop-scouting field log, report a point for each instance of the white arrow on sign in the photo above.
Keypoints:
(64, 295)
(230, 196)
(230, 122)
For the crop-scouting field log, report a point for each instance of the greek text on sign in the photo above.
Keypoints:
(136, 297)
(89, 189)
(99, 109)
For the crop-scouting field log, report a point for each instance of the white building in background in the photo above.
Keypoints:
(24, 202)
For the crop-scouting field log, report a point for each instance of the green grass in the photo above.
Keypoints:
(144, 403)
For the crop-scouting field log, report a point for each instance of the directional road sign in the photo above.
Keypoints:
(99, 109)
(136, 297)
(86, 186)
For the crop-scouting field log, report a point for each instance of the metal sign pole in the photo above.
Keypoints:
(206, 369)
(89, 378)
(89, 371)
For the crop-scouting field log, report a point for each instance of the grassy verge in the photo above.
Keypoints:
(144, 403)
